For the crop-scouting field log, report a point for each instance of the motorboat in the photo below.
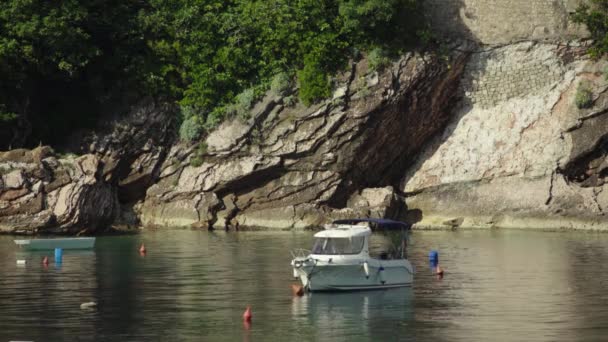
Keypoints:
(345, 257)
(52, 243)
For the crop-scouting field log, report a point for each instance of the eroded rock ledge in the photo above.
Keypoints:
(39, 193)
(295, 167)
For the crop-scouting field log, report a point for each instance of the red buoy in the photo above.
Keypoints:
(297, 289)
(45, 261)
(247, 314)
(142, 249)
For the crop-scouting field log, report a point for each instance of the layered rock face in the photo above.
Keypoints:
(41, 192)
(290, 166)
(518, 151)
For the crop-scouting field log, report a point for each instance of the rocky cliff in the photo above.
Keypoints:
(293, 167)
(518, 151)
(43, 192)
(489, 134)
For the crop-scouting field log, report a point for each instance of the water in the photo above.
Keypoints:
(194, 285)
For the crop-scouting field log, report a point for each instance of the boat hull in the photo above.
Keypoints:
(67, 243)
(328, 277)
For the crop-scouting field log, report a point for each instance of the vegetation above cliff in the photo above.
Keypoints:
(63, 62)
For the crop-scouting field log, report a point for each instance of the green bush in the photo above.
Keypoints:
(196, 161)
(280, 84)
(314, 82)
(584, 96)
(198, 156)
(595, 18)
(290, 101)
(202, 148)
(215, 117)
(378, 59)
(244, 102)
(191, 128)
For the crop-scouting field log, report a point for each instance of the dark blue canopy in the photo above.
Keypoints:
(384, 223)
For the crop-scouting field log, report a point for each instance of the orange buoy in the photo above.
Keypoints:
(142, 249)
(45, 260)
(247, 314)
(297, 289)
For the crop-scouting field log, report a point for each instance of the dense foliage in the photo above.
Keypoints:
(63, 61)
(595, 17)
(60, 61)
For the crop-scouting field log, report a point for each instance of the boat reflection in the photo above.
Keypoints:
(357, 312)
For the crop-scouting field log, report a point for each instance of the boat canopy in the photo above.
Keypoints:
(344, 231)
(384, 223)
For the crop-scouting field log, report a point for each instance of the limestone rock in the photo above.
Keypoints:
(46, 195)
(518, 152)
(14, 180)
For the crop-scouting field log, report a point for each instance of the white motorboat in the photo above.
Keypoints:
(341, 259)
(52, 243)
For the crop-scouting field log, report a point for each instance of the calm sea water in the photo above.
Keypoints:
(194, 285)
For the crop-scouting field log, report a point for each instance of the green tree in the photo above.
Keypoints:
(60, 61)
(63, 61)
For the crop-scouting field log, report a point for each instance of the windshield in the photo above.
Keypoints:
(334, 246)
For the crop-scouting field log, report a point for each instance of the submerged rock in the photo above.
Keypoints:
(88, 306)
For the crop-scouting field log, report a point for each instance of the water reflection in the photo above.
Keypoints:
(193, 285)
(35, 297)
(365, 313)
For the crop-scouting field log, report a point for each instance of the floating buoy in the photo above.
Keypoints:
(21, 262)
(434, 257)
(142, 249)
(58, 255)
(297, 289)
(88, 306)
(366, 269)
(45, 261)
(247, 314)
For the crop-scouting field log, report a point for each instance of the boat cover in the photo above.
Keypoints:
(384, 223)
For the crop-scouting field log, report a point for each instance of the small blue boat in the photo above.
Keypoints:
(52, 243)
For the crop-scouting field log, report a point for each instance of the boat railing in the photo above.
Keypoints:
(300, 253)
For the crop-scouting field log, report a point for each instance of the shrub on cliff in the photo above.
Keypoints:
(584, 96)
(378, 59)
(314, 82)
(192, 126)
(280, 83)
(595, 17)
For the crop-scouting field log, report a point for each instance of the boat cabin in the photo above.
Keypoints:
(341, 240)
(354, 237)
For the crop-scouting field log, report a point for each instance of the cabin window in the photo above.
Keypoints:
(333, 246)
